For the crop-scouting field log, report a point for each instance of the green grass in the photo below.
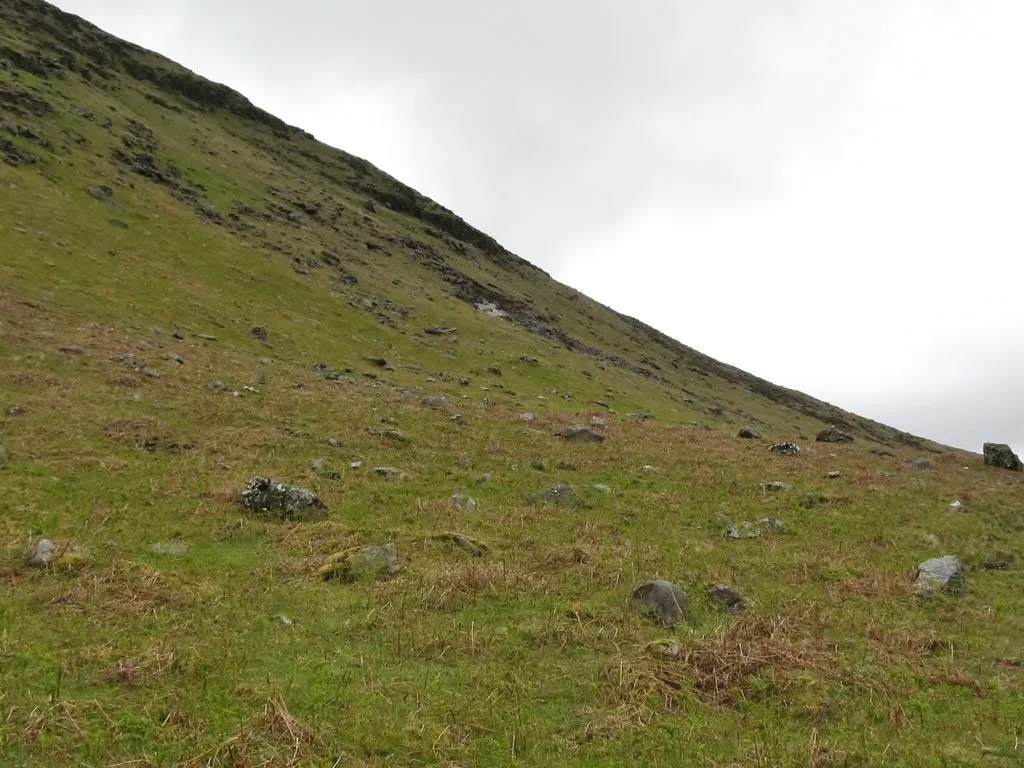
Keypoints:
(527, 655)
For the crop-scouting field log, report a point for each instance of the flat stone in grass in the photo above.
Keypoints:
(749, 434)
(435, 401)
(777, 485)
(939, 574)
(74, 349)
(786, 449)
(580, 433)
(833, 435)
(562, 493)
(474, 547)
(463, 502)
(659, 600)
(362, 563)
(727, 598)
(289, 502)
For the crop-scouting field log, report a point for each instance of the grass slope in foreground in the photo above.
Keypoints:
(139, 201)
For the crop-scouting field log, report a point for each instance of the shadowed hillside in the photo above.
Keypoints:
(194, 293)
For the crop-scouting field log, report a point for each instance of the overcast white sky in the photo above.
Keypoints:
(827, 193)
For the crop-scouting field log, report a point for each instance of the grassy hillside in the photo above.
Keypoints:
(193, 293)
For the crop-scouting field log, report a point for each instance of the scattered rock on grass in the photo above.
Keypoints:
(660, 600)
(473, 546)
(389, 473)
(43, 553)
(580, 433)
(173, 548)
(939, 574)
(290, 502)
(464, 502)
(1000, 455)
(957, 506)
(921, 463)
(749, 434)
(3, 455)
(562, 493)
(359, 563)
(786, 449)
(602, 488)
(835, 473)
(260, 333)
(777, 485)
(74, 349)
(435, 401)
(727, 598)
(834, 435)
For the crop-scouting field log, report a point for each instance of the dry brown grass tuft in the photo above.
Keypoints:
(721, 669)
(451, 586)
(146, 434)
(124, 588)
(272, 739)
(888, 585)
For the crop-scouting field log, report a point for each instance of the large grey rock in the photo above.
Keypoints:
(786, 449)
(580, 433)
(290, 502)
(939, 574)
(1000, 455)
(660, 600)
(833, 435)
(43, 553)
(372, 562)
(727, 598)
(749, 434)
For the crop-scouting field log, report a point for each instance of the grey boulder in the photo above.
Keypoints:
(727, 598)
(289, 502)
(660, 600)
(939, 574)
(580, 433)
(833, 435)
(1000, 455)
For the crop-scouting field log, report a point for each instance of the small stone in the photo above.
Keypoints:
(939, 574)
(777, 485)
(464, 382)
(371, 562)
(921, 463)
(206, 336)
(562, 493)
(957, 506)
(835, 473)
(43, 553)
(483, 479)
(648, 468)
(260, 333)
(494, 370)
(174, 548)
(727, 598)
(289, 502)
(176, 359)
(786, 449)
(15, 410)
(526, 417)
(598, 421)
(602, 488)
(749, 434)
(386, 472)
(380, 362)
(457, 418)
(834, 435)
(578, 433)
(74, 349)
(1000, 455)
(178, 335)
(396, 435)
(660, 600)
(435, 401)
(463, 502)
(539, 464)
(217, 386)
(151, 373)
(356, 464)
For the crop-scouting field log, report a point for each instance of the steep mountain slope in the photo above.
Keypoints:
(193, 292)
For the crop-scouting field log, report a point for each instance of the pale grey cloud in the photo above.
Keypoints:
(852, 165)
